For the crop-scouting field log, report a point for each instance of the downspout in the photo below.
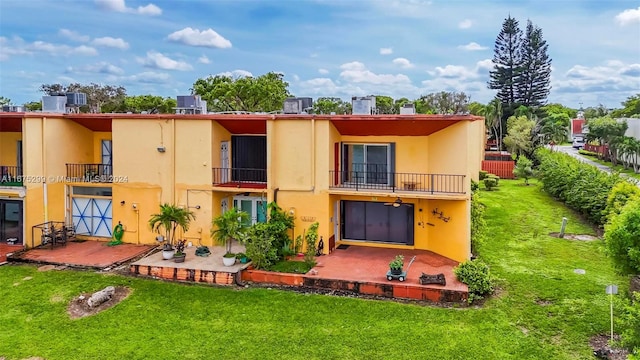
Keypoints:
(313, 153)
(173, 165)
(45, 194)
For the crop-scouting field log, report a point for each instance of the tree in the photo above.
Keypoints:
(595, 112)
(535, 73)
(622, 237)
(100, 98)
(399, 104)
(447, 102)
(554, 109)
(169, 219)
(4, 101)
(328, 105)
(33, 105)
(476, 108)
(149, 103)
(229, 226)
(493, 120)
(524, 169)
(265, 93)
(609, 132)
(507, 60)
(519, 130)
(384, 104)
(631, 107)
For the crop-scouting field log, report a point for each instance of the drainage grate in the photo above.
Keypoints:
(343, 247)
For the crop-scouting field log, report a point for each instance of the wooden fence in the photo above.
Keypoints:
(503, 169)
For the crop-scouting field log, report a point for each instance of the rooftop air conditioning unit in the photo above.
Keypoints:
(13, 108)
(363, 105)
(188, 101)
(76, 99)
(297, 105)
(54, 104)
(408, 109)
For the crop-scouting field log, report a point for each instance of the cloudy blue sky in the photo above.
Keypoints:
(324, 47)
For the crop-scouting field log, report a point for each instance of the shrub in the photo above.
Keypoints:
(474, 186)
(495, 177)
(622, 238)
(483, 175)
(629, 322)
(524, 169)
(490, 183)
(588, 153)
(476, 274)
(581, 186)
(311, 237)
(478, 224)
(259, 246)
(621, 193)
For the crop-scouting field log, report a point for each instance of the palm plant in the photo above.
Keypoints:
(229, 226)
(169, 219)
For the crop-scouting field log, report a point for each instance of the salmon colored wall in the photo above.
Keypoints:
(97, 145)
(218, 135)
(9, 148)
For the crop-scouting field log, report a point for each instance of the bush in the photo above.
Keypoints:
(588, 153)
(524, 169)
(483, 175)
(476, 274)
(621, 193)
(581, 186)
(629, 322)
(490, 183)
(622, 238)
(478, 224)
(311, 237)
(474, 186)
(259, 246)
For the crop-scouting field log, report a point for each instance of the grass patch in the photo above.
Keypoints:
(619, 168)
(542, 311)
(286, 266)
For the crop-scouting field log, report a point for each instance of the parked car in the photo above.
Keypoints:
(578, 143)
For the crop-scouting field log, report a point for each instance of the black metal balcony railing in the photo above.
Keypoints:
(237, 176)
(11, 176)
(100, 173)
(392, 181)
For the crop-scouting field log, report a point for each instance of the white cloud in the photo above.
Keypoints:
(613, 76)
(147, 77)
(354, 65)
(102, 67)
(472, 46)
(120, 6)
(157, 60)
(452, 71)
(465, 24)
(195, 37)
(72, 35)
(296, 77)
(323, 71)
(386, 51)
(628, 16)
(402, 62)
(55, 49)
(204, 60)
(108, 41)
(236, 73)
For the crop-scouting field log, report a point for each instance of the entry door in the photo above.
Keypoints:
(11, 221)
(224, 161)
(107, 157)
(256, 207)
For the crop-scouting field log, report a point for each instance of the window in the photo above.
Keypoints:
(368, 163)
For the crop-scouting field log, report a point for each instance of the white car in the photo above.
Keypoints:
(578, 143)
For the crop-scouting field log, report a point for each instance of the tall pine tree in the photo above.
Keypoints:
(534, 82)
(507, 60)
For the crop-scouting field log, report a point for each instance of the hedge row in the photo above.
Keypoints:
(581, 186)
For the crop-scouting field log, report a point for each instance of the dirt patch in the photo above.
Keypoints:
(578, 237)
(602, 349)
(78, 307)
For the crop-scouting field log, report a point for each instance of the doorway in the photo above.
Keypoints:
(11, 222)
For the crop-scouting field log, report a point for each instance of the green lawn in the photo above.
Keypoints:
(618, 167)
(542, 311)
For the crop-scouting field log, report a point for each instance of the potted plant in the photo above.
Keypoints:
(168, 220)
(229, 226)
(242, 257)
(179, 256)
(396, 265)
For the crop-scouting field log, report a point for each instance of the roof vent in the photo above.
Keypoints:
(363, 105)
(297, 105)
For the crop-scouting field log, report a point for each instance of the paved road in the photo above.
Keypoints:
(568, 149)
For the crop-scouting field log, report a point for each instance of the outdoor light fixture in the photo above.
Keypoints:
(161, 149)
(397, 203)
(122, 202)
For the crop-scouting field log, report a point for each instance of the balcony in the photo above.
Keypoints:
(240, 178)
(393, 182)
(96, 173)
(11, 176)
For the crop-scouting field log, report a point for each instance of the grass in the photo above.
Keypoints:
(291, 266)
(620, 168)
(543, 310)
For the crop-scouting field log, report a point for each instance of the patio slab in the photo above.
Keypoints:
(90, 253)
(206, 269)
(6, 249)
